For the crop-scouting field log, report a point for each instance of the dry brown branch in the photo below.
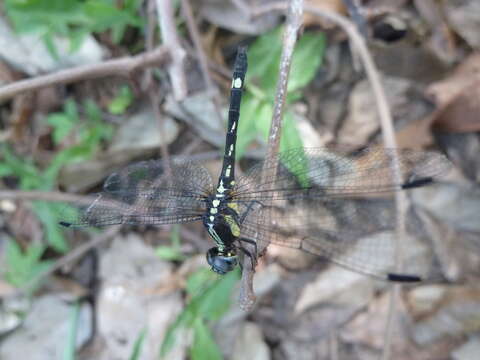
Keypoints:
(387, 131)
(294, 21)
(53, 196)
(153, 92)
(119, 67)
(212, 90)
(168, 28)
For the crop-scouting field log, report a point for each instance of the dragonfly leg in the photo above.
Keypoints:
(244, 215)
(253, 257)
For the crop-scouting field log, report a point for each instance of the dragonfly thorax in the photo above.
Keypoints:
(221, 222)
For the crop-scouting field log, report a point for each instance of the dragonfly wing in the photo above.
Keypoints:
(143, 193)
(320, 172)
(358, 234)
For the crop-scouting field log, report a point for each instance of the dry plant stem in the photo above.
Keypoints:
(197, 43)
(388, 136)
(153, 93)
(354, 11)
(294, 21)
(119, 67)
(166, 20)
(51, 196)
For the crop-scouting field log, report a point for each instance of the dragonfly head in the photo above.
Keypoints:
(221, 262)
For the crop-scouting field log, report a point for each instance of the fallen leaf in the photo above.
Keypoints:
(335, 6)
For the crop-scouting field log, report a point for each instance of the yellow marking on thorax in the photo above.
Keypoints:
(234, 228)
(233, 206)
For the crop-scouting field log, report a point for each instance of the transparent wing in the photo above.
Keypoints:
(319, 172)
(142, 193)
(358, 234)
(315, 204)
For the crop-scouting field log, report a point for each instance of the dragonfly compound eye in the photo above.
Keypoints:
(221, 263)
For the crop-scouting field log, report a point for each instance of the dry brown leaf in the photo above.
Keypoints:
(461, 114)
(416, 135)
(457, 98)
(336, 6)
(464, 75)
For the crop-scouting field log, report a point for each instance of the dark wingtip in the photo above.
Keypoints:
(418, 183)
(63, 223)
(402, 278)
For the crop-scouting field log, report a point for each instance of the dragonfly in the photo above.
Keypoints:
(322, 201)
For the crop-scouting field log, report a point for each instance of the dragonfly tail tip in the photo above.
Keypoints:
(417, 183)
(66, 224)
(403, 278)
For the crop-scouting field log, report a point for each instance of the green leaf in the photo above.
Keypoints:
(199, 280)
(76, 38)
(265, 53)
(210, 299)
(105, 16)
(215, 300)
(47, 214)
(306, 60)
(175, 331)
(71, 18)
(204, 346)
(64, 122)
(169, 253)
(70, 348)
(23, 267)
(299, 165)
(173, 252)
(246, 127)
(257, 104)
(121, 102)
(137, 347)
(292, 138)
(50, 45)
(30, 178)
(5, 170)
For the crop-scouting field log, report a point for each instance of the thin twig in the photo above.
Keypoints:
(212, 90)
(166, 20)
(154, 96)
(120, 67)
(388, 136)
(51, 196)
(357, 17)
(294, 21)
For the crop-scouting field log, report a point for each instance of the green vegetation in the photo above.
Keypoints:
(121, 102)
(78, 133)
(172, 252)
(72, 19)
(209, 299)
(257, 102)
(137, 347)
(24, 266)
(70, 348)
(89, 133)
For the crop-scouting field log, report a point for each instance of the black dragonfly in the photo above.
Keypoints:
(320, 200)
